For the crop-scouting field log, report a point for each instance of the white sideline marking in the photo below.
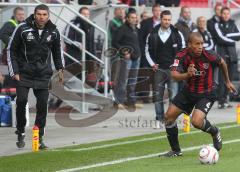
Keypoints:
(136, 158)
(136, 141)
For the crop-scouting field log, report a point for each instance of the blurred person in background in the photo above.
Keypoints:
(226, 34)
(127, 43)
(145, 72)
(8, 28)
(207, 38)
(215, 19)
(185, 23)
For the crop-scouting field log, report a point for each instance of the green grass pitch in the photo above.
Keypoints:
(102, 153)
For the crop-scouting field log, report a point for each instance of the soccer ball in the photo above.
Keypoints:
(208, 155)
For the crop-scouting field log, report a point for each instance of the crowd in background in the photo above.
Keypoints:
(153, 56)
(146, 46)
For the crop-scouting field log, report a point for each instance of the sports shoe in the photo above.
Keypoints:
(221, 106)
(20, 143)
(171, 154)
(42, 146)
(227, 105)
(138, 105)
(217, 140)
(119, 106)
(133, 105)
(157, 125)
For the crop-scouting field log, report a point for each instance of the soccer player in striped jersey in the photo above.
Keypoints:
(196, 67)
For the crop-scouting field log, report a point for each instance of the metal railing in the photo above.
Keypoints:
(212, 3)
(234, 3)
(84, 52)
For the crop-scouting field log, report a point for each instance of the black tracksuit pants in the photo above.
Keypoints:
(41, 106)
(222, 89)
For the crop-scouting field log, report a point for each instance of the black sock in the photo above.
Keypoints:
(21, 130)
(208, 128)
(172, 135)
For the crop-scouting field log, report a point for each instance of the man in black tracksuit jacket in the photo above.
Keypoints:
(145, 73)
(215, 19)
(226, 33)
(29, 62)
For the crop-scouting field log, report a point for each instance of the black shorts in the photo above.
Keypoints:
(187, 102)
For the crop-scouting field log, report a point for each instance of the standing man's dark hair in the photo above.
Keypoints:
(41, 7)
(29, 63)
(130, 11)
(165, 12)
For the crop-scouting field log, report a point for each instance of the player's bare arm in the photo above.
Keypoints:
(183, 76)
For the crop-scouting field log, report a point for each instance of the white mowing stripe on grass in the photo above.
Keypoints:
(136, 158)
(136, 141)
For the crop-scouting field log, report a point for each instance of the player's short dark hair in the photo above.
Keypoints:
(165, 13)
(194, 35)
(41, 7)
(83, 8)
(17, 9)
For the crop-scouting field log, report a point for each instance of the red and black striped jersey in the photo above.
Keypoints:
(206, 64)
